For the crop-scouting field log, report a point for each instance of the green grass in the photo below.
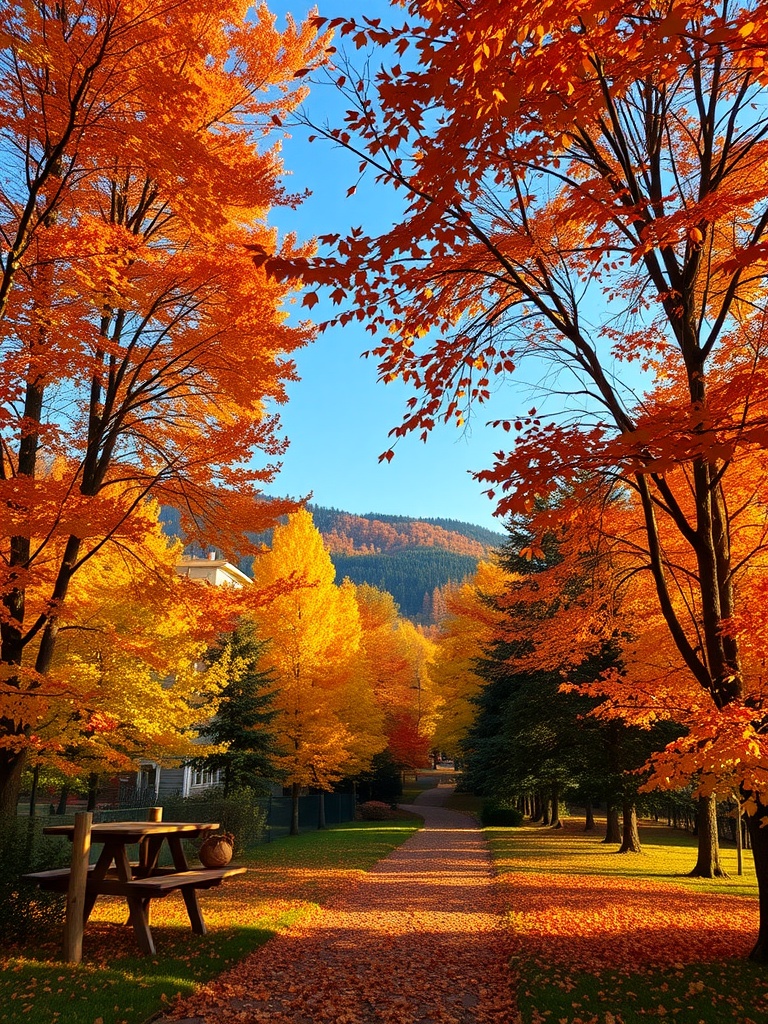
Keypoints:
(114, 985)
(580, 884)
(728, 992)
(668, 855)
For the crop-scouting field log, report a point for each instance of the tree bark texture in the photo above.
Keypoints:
(612, 825)
(546, 811)
(555, 820)
(758, 835)
(630, 840)
(589, 817)
(536, 808)
(708, 861)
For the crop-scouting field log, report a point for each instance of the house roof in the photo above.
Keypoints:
(218, 571)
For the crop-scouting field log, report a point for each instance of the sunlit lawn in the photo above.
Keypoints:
(114, 985)
(603, 938)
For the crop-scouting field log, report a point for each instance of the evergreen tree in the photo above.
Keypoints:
(242, 724)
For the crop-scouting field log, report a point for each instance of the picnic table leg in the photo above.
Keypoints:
(138, 915)
(98, 874)
(148, 857)
(74, 921)
(145, 845)
(189, 895)
(138, 909)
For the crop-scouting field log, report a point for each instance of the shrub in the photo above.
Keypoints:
(240, 813)
(26, 911)
(495, 813)
(375, 810)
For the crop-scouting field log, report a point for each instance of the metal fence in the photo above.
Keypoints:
(339, 807)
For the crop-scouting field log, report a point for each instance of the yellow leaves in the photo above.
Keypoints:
(326, 717)
(124, 676)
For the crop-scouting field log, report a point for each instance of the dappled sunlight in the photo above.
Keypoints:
(587, 921)
(667, 854)
(429, 920)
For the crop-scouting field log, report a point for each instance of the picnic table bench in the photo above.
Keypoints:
(140, 881)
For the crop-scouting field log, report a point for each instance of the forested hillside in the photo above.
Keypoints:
(410, 558)
(374, 532)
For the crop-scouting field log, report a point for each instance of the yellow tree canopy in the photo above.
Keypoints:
(327, 721)
(400, 660)
(127, 679)
(466, 631)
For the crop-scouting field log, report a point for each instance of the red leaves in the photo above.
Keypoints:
(586, 920)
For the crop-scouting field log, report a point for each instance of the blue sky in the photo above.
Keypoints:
(338, 415)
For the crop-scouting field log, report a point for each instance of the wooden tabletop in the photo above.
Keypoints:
(132, 831)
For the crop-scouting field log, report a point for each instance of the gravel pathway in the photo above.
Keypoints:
(418, 940)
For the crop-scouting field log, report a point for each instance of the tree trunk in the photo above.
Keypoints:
(630, 840)
(555, 820)
(33, 791)
(294, 809)
(321, 810)
(93, 791)
(708, 861)
(589, 822)
(612, 825)
(536, 808)
(62, 808)
(759, 840)
(546, 811)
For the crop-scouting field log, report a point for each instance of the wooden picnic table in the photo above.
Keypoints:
(141, 881)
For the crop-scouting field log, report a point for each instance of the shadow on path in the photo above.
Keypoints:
(418, 939)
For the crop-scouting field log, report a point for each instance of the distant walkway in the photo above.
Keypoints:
(417, 941)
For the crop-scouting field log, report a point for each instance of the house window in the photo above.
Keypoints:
(205, 778)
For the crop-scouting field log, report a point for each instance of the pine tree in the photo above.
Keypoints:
(243, 725)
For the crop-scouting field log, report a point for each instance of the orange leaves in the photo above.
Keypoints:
(588, 919)
(141, 351)
(427, 917)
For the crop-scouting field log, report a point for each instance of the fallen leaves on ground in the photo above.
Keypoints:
(418, 939)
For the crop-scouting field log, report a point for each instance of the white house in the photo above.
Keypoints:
(188, 781)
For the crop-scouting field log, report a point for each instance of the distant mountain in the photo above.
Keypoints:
(411, 558)
(375, 533)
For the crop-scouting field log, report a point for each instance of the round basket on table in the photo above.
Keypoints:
(216, 851)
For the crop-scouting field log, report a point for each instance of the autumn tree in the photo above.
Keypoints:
(241, 731)
(125, 683)
(400, 664)
(327, 722)
(138, 351)
(466, 632)
(585, 191)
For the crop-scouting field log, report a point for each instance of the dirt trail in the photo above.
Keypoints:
(417, 941)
